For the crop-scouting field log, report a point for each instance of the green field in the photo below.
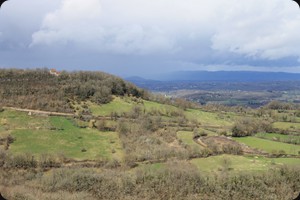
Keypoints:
(241, 163)
(58, 135)
(187, 138)
(208, 118)
(268, 145)
(286, 125)
(19, 120)
(293, 139)
(118, 105)
(162, 108)
(121, 105)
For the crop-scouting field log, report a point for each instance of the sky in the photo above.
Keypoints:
(147, 37)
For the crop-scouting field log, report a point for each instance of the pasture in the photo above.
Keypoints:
(239, 164)
(292, 139)
(187, 139)
(58, 136)
(269, 146)
(118, 105)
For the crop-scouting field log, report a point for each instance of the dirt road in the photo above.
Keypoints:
(41, 112)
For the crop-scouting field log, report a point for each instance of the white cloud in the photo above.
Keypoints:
(259, 29)
(73, 21)
(269, 31)
(88, 27)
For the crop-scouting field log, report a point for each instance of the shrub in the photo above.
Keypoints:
(3, 157)
(245, 127)
(24, 161)
(48, 161)
(101, 125)
(232, 149)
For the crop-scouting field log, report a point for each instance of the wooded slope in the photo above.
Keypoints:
(38, 89)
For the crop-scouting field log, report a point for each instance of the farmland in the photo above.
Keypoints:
(270, 146)
(59, 136)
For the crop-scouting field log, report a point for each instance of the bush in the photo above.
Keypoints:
(244, 127)
(3, 157)
(232, 149)
(48, 161)
(21, 161)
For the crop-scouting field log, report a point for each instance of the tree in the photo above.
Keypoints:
(244, 127)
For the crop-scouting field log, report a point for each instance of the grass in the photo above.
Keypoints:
(241, 163)
(208, 118)
(286, 125)
(20, 120)
(187, 138)
(121, 105)
(269, 146)
(162, 108)
(293, 139)
(67, 139)
(118, 105)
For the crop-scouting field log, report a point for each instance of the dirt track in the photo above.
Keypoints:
(41, 112)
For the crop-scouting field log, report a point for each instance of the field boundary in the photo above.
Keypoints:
(40, 112)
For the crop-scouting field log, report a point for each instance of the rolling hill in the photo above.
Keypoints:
(136, 145)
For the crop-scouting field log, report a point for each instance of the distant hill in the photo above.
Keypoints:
(220, 80)
(233, 76)
(58, 91)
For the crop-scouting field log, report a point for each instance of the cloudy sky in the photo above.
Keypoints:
(144, 37)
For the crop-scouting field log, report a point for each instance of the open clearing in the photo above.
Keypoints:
(269, 146)
(58, 135)
(208, 118)
(287, 125)
(241, 163)
(293, 139)
(118, 105)
(187, 138)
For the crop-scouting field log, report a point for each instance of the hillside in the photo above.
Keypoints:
(39, 89)
(133, 147)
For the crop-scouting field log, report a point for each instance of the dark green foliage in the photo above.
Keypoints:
(38, 89)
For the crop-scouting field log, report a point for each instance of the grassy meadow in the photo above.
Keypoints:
(241, 164)
(292, 139)
(60, 136)
(187, 139)
(269, 146)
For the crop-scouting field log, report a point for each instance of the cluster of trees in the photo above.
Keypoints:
(38, 89)
(247, 126)
(277, 105)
